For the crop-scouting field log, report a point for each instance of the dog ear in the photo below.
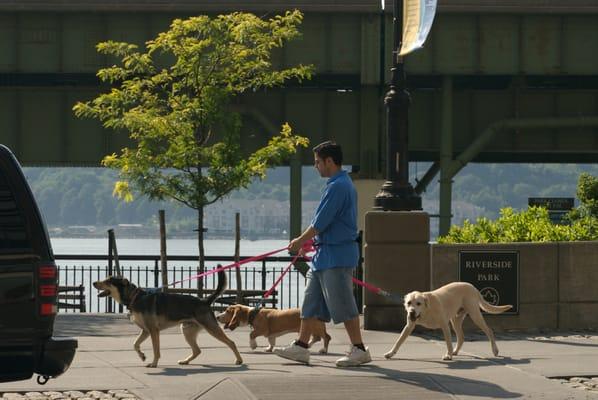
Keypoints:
(229, 310)
(426, 301)
(234, 321)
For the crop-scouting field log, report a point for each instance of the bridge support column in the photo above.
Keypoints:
(397, 259)
(446, 157)
(295, 195)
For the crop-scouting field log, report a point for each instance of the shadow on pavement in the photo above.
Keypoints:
(205, 368)
(475, 362)
(563, 342)
(89, 324)
(444, 383)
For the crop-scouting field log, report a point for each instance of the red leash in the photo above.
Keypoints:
(286, 270)
(396, 298)
(307, 248)
(235, 264)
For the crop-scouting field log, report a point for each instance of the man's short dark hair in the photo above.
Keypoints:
(329, 149)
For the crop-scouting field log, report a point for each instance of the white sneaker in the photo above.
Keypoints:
(293, 352)
(354, 358)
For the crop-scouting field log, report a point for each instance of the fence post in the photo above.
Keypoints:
(237, 252)
(112, 240)
(263, 274)
(108, 298)
(156, 274)
(114, 250)
(81, 298)
(163, 256)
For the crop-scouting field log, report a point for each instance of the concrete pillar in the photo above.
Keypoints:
(366, 191)
(397, 259)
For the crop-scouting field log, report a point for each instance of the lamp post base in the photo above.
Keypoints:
(396, 197)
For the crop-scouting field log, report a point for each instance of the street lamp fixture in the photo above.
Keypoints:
(396, 193)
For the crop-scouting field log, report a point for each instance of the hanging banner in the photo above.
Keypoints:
(418, 16)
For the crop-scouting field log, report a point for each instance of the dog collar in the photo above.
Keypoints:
(134, 297)
(254, 311)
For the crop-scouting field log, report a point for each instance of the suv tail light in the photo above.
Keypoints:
(46, 309)
(47, 272)
(47, 290)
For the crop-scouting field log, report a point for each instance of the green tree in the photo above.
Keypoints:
(173, 99)
(587, 193)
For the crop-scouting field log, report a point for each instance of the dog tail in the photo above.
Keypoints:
(489, 308)
(222, 283)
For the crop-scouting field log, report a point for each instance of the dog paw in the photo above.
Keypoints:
(183, 362)
(269, 349)
(447, 357)
(323, 351)
(239, 362)
(495, 350)
(141, 355)
(389, 355)
(152, 365)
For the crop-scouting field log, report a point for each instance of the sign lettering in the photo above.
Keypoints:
(494, 273)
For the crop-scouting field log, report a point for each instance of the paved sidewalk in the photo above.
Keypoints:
(105, 361)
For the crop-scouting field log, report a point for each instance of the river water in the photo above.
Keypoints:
(186, 247)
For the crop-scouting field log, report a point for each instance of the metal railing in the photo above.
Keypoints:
(75, 270)
(144, 271)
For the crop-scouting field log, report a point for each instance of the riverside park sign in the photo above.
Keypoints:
(494, 273)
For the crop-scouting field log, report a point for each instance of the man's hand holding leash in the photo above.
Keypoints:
(297, 245)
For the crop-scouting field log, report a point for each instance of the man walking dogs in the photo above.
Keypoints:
(329, 290)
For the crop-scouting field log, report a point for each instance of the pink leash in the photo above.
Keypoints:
(395, 298)
(307, 248)
(286, 270)
(235, 264)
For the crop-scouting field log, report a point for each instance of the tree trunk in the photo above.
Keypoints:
(200, 232)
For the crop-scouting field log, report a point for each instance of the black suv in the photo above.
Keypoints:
(28, 284)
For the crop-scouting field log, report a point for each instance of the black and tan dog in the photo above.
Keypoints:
(154, 311)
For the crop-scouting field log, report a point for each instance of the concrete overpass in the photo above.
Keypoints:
(512, 81)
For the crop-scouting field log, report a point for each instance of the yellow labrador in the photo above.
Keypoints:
(452, 303)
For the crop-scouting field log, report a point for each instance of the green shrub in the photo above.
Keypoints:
(531, 225)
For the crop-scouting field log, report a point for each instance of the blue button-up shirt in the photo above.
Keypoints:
(336, 222)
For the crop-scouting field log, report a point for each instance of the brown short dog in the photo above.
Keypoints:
(270, 323)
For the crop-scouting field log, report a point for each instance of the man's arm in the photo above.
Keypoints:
(297, 243)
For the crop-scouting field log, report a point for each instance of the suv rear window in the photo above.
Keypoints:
(13, 231)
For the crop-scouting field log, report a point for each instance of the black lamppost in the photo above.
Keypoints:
(396, 193)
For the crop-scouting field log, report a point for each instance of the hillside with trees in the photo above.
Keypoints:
(83, 196)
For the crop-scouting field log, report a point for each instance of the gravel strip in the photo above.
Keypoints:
(586, 383)
(118, 394)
